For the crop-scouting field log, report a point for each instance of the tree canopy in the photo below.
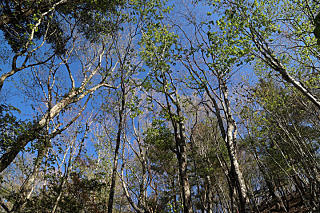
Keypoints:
(156, 106)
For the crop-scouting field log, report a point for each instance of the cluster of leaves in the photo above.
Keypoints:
(160, 141)
(79, 194)
(91, 17)
(282, 131)
(10, 127)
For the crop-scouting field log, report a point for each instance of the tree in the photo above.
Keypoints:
(210, 158)
(159, 56)
(26, 22)
(74, 95)
(210, 63)
(159, 106)
(281, 133)
(262, 28)
(21, 17)
(18, 18)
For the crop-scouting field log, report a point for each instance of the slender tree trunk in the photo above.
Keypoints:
(28, 185)
(181, 154)
(269, 182)
(142, 190)
(184, 182)
(117, 148)
(180, 141)
(209, 194)
(272, 61)
(235, 172)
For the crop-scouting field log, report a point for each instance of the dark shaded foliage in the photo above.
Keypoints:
(17, 18)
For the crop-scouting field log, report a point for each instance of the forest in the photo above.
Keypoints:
(159, 106)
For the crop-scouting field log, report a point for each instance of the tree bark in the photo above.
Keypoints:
(33, 133)
(116, 152)
(184, 182)
(271, 60)
(230, 140)
(181, 153)
(180, 141)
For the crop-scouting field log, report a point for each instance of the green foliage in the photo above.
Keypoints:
(158, 48)
(92, 18)
(283, 130)
(78, 195)
(317, 27)
(281, 143)
(10, 127)
(160, 138)
(207, 147)
(134, 107)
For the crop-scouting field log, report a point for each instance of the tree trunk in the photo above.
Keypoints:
(181, 154)
(184, 182)
(116, 152)
(230, 139)
(28, 185)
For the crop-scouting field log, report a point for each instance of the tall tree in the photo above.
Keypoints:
(157, 52)
(210, 62)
